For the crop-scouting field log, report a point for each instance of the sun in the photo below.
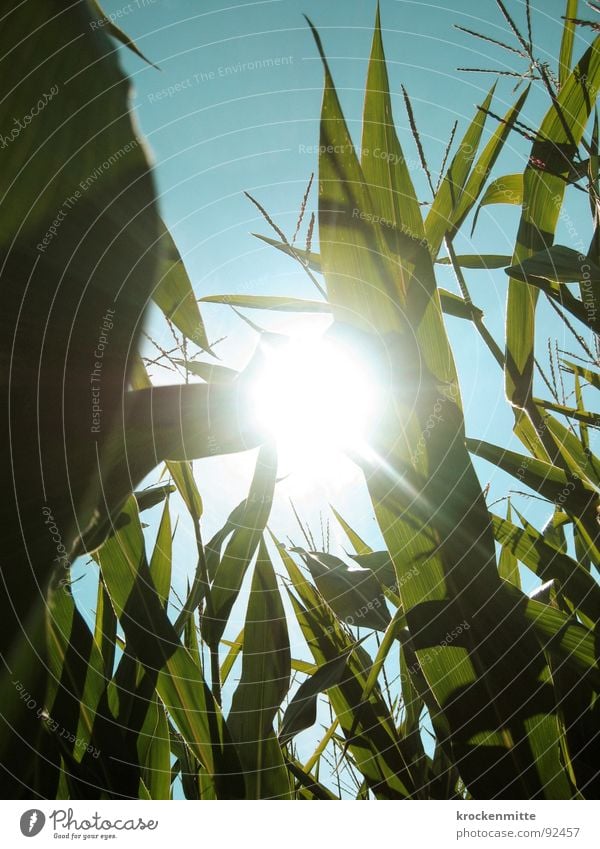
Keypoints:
(318, 400)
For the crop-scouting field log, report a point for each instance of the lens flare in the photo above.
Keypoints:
(318, 400)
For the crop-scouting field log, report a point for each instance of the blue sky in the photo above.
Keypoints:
(235, 107)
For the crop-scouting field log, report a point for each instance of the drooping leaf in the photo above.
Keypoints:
(588, 374)
(301, 712)
(355, 595)
(550, 481)
(380, 563)
(507, 189)
(557, 263)
(150, 497)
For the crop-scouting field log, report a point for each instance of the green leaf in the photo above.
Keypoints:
(507, 189)
(151, 636)
(428, 501)
(374, 743)
(448, 201)
(350, 235)
(547, 562)
(77, 673)
(592, 377)
(486, 162)
(181, 423)
(477, 261)
(550, 481)
(368, 726)
(235, 648)
(308, 258)
(153, 495)
(557, 263)
(590, 419)
(360, 546)
(241, 548)
(451, 303)
(562, 636)
(383, 162)
(508, 565)
(567, 40)
(574, 457)
(380, 563)
(111, 27)
(181, 472)
(175, 296)
(456, 306)
(264, 683)
(355, 595)
(301, 712)
(162, 557)
(312, 787)
(105, 630)
(269, 302)
(544, 184)
(155, 751)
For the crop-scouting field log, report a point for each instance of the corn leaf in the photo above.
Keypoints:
(263, 685)
(150, 634)
(507, 189)
(548, 562)
(301, 712)
(174, 294)
(241, 548)
(355, 595)
(567, 40)
(448, 201)
(161, 560)
(543, 190)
